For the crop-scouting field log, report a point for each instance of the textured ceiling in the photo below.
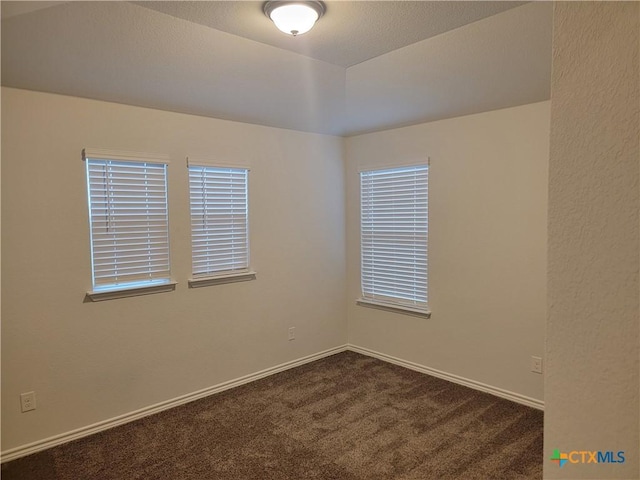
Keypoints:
(349, 33)
(11, 9)
(366, 66)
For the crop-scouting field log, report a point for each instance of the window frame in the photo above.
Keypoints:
(233, 275)
(126, 287)
(368, 296)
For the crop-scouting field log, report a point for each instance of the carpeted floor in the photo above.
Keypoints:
(345, 417)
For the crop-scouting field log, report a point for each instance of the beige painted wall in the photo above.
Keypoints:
(487, 246)
(88, 362)
(592, 348)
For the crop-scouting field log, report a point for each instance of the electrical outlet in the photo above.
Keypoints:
(536, 364)
(28, 401)
(292, 333)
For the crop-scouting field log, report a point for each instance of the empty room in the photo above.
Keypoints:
(320, 239)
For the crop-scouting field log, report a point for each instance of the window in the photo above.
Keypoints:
(219, 224)
(129, 224)
(394, 230)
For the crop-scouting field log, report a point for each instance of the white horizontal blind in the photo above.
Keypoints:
(129, 223)
(394, 230)
(219, 220)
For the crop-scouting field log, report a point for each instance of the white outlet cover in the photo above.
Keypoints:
(28, 401)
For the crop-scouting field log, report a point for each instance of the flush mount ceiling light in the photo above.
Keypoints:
(294, 18)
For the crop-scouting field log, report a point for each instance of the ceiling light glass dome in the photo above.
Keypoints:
(294, 18)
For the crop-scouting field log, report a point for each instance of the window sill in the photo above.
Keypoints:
(389, 307)
(221, 279)
(100, 295)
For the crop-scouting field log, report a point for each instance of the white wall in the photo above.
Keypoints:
(88, 362)
(487, 246)
(593, 343)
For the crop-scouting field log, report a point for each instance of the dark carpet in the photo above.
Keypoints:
(345, 417)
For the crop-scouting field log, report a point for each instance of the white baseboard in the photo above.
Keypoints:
(40, 445)
(50, 442)
(483, 387)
